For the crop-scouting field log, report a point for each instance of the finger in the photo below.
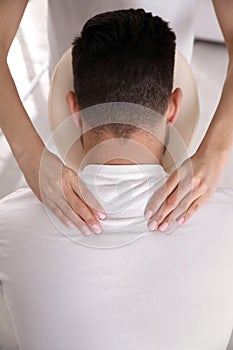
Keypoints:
(178, 198)
(194, 207)
(183, 213)
(84, 193)
(59, 214)
(68, 212)
(160, 196)
(176, 215)
(80, 208)
(181, 198)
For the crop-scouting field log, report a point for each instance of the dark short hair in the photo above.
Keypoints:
(124, 56)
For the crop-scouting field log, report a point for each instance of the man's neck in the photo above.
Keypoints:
(114, 151)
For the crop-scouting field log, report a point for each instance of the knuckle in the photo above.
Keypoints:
(85, 195)
(162, 193)
(186, 202)
(54, 183)
(203, 187)
(194, 183)
(65, 190)
(200, 184)
(66, 208)
(49, 192)
(171, 202)
(81, 207)
(91, 221)
(183, 206)
(196, 206)
(75, 183)
(77, 205)
(198, 181)
(48, 188)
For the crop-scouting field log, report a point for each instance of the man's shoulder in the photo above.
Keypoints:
(19, 206)
(23, 197)
(217, 212)
(22, 214)
(222, 196)
(220, 202)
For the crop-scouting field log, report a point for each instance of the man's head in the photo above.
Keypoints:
(124, 56)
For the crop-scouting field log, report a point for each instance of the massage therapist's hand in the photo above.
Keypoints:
(59, 186)
(62, 191)
(188, 188)
(185, 191)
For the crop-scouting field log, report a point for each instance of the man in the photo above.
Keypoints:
(157, 292)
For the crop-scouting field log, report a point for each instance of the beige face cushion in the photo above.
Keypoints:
(181, 135)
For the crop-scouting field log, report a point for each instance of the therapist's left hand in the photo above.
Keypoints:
(63, 192)
(186, 190)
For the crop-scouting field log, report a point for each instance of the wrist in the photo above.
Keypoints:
(29, 154)
(213, 151)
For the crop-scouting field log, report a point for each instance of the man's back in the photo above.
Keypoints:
(157, 292)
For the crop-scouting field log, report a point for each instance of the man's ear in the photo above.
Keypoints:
(73, 106)
(174, 106)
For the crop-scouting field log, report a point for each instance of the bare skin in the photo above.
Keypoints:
(184, 192)
(61, 194)
(187, 190)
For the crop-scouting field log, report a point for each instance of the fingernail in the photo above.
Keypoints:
(101, 215)
(153, 225)
(163, 227)
(86, 231)
(181, 220)
(148, 214)
(96, 229)
(69, 224)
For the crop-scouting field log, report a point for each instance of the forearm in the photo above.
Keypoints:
(218, 140)
(219, 136)
(14, 121)
(11, 13)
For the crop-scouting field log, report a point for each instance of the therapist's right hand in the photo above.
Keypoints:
(57, 186)
(63, 192)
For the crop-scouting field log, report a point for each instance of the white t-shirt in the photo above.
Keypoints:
(157, 291)
(66, 19)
